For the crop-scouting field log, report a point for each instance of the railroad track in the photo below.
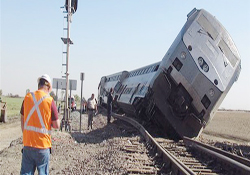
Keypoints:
(137, 159)
(189, 156)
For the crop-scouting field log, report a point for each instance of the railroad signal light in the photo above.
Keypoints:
(73, 5)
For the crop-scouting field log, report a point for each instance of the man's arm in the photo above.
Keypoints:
(22, 122)
(56, 124)
(22, 117)
(54, 116)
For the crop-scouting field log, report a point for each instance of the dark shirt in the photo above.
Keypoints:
(110, 99)
(54, 113)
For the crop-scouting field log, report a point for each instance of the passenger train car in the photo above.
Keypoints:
(182, 92)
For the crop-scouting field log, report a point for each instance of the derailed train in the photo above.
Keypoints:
(182, 92)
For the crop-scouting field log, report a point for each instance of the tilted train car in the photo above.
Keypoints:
(182, 92)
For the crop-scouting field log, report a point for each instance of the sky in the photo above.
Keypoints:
(109, 36)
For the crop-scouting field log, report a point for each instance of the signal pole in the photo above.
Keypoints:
(81, 78)
(67, 64)
(69, 10)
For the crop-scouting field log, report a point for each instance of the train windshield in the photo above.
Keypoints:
(213, 34)
(208, 27)
(227, 52)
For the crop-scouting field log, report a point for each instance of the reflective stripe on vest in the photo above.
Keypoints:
(42, 130)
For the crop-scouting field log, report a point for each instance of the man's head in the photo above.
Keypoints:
(44, 82)
(92, 96)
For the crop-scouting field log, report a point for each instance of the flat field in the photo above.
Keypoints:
(13, 105)
(232, 126)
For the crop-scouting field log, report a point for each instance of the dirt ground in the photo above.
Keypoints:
(231, 126)
(10, 131)
(91, 151)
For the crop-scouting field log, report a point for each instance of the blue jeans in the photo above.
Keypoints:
(33, 158)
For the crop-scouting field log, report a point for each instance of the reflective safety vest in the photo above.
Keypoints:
(37, 120)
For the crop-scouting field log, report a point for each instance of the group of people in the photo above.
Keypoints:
(38, 114)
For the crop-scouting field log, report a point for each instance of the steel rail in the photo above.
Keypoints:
(173, 163)
(237, 163)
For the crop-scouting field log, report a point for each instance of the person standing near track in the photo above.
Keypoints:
(109, 105)
(91, 107)
(38, 115)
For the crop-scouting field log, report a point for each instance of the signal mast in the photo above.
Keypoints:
(71, 7)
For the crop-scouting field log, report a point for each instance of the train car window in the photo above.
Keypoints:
(130, 90)
(140, 72)
(141, 90)
(156, 68)
(227, 52)
(148, 70)
(120, 89)
(208, 27)
(144, 70)
(125, 91)
(117, 86)
(151, 69)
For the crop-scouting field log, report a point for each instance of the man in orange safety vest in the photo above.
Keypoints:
(38, 115)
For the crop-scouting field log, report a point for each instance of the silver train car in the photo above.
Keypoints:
(181, 93)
